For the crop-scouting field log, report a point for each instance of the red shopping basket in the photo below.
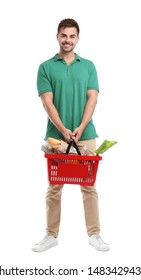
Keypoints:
(72, 169)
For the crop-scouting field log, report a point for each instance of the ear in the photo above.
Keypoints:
(78, 38)
(57, 36)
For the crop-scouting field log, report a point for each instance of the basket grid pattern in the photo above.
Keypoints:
(66, 169)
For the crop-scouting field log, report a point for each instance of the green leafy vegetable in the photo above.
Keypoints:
(105, 146)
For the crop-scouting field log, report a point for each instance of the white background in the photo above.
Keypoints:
(110, 37)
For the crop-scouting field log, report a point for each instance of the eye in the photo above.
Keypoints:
(63, 35)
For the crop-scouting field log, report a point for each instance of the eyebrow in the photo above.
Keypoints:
(66, 34)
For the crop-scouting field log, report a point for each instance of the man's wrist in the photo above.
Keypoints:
(82, 126)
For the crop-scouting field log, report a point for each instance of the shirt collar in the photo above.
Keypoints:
(56, 58)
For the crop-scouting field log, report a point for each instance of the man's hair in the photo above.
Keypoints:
(68, 22)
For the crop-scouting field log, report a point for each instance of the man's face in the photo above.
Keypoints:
(67, 39)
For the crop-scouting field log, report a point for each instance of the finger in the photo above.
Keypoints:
(68, 138)
(73, 137)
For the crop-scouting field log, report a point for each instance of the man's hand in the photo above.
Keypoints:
(77, 133)
(68, 134)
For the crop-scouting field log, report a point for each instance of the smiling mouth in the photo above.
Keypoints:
(67, 45)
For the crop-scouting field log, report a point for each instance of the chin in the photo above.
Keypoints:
(67, 50)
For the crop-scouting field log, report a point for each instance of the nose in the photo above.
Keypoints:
(67, 40)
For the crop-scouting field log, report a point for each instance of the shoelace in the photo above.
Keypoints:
(42, 241)
(100, 239)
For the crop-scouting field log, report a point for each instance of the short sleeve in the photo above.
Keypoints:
(43, 82)
(93, 78)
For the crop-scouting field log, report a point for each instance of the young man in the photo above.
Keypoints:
(68, 87)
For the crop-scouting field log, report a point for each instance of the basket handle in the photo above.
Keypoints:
(75, 146)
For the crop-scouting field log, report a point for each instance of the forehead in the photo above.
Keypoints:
(68, 30)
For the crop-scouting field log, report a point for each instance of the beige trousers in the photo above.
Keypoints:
(90, 202)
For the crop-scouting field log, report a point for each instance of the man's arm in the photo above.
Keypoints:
(92, 96)
(47, 100)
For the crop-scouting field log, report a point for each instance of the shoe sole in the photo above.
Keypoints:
(45, 249)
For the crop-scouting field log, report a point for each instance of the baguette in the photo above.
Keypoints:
(54, 143)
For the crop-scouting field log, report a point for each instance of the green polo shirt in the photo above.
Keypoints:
(69, 84)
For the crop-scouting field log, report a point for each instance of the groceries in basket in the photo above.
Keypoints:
(105, 146)
(59, 146)
(56, 146)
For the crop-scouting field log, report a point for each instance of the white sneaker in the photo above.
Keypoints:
(47, 242)
(97, 242)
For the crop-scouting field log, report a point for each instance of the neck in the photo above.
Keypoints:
(67, 56)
